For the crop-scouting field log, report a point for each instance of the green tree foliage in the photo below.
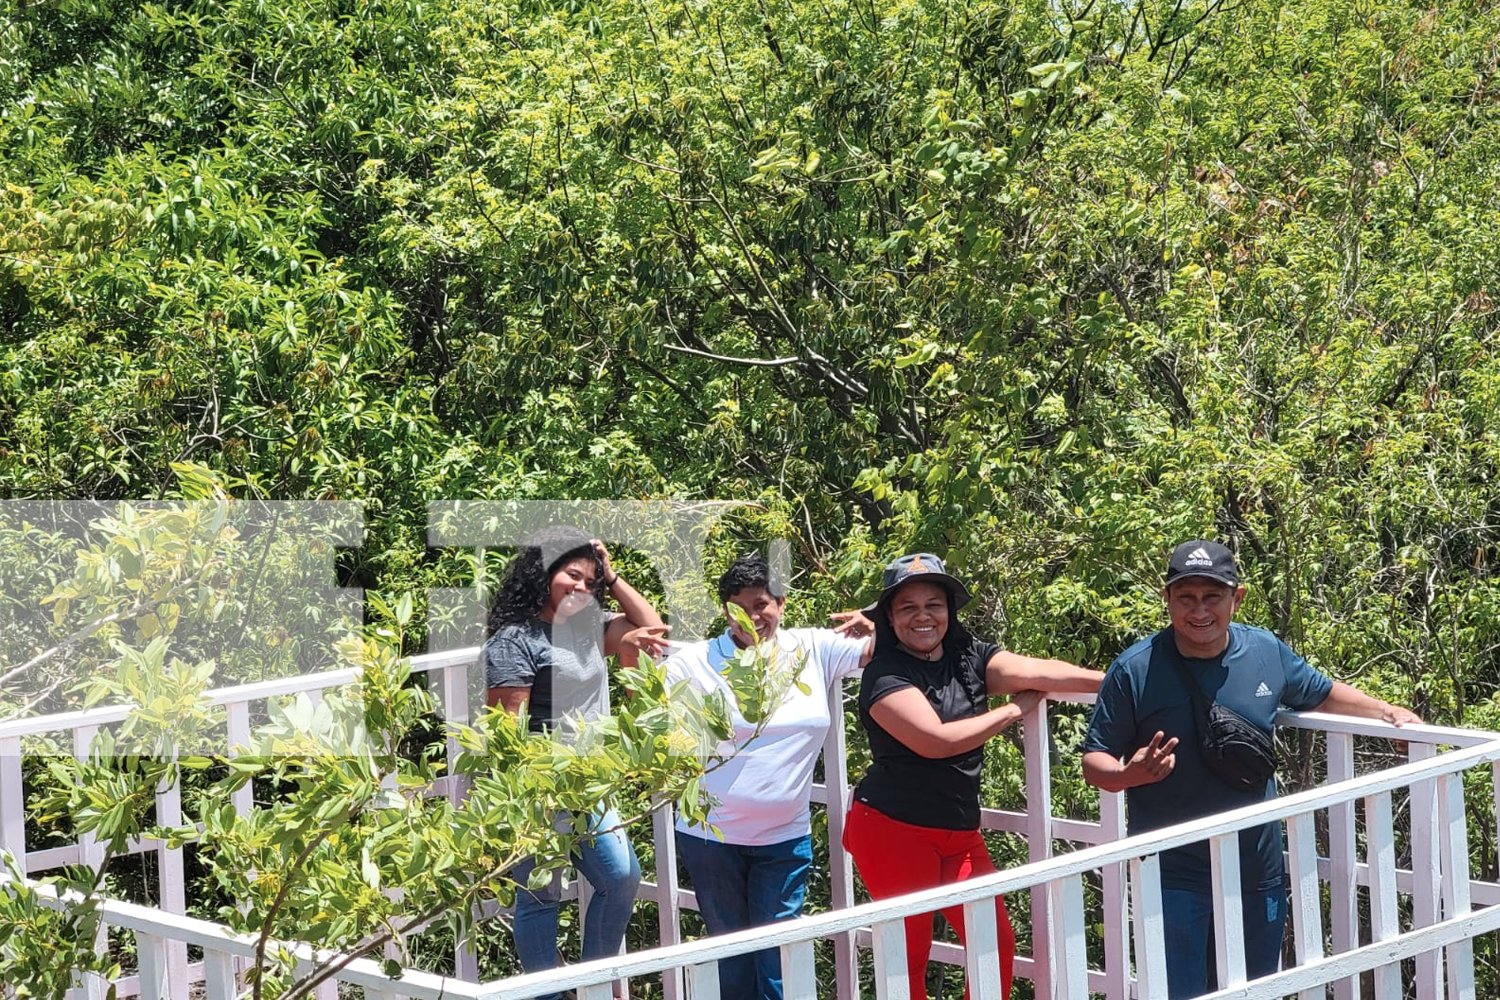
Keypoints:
(1045, 286)
(345, 847)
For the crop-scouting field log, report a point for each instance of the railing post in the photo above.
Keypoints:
(799, 973)
(840, 868)
(1150, 932)
(1343, 871)
(1229, 909)
(1039, 841)
(982, 950)
(1116, 914)
(454, 696)
(1068, 940)
(888, 942)
(703, 981)
(151, 961)
(1380, 848)
(172, 877)
(668, 906)
(1454, 859)
(13, 802)
(237, 731)
(1307, 903)
(219, 976)
(91, 856)
(1427, 874)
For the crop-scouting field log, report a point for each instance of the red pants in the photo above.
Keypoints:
(895, 858)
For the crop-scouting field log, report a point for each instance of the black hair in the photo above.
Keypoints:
(957, 635)
(523, 592)
(749, 570)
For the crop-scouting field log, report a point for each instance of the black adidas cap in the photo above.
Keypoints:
(1202, 557)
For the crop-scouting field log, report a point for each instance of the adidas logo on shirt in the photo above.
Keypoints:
(1263, 691)
(1199, 557)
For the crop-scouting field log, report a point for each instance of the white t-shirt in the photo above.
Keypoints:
(762, 792)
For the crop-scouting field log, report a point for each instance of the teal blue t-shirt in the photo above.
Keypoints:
(1143, 693)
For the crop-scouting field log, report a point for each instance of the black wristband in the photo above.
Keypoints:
(611, 583)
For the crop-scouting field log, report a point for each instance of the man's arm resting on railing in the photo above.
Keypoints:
(1347, 700)
(1148, 765)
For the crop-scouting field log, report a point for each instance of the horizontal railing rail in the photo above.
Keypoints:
(593, 978)
(1442, 891)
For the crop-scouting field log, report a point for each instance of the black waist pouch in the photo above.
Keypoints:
(1241, 753)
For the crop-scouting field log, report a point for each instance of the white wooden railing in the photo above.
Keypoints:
(1441, 889)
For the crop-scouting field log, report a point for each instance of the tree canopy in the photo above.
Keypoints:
(1044, 286)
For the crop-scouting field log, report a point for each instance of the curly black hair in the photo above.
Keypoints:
(749, 570)
(523, 592)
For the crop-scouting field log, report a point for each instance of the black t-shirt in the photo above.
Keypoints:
(924, 791)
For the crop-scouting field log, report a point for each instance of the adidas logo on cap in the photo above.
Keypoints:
(1203, 557)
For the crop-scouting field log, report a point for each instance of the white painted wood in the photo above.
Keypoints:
(1349, 725)
(151, 960)
(1350, 964)
(90, 853)
(1110, 851)
(703, 981)
(1453, 856)
(1426, 874)
(1071, 975)
(1150, 934)
(1380, 850)
(1116, 904)
(237, 731)
(1039, 839)
(171, 877)
(1343, 916)
(889, 947)
(598, 991)
(840, 867)
(668, 905)
(1306, 895)
(982, 950)
(219, 976)
(1229, 908)
(799, 973)
(453, 686)
(13, 802)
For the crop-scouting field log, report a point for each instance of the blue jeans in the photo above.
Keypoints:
(740, 886)
(1188, 921)
(609, 864)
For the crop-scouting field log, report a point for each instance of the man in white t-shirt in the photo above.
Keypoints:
(757, 874)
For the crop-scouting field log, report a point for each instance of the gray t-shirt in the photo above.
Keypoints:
(562, 663)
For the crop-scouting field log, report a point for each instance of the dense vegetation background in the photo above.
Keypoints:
(1045, 286)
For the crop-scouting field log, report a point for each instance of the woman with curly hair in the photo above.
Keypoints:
(548, 637)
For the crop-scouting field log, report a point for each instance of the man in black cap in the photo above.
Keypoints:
(1144, 739)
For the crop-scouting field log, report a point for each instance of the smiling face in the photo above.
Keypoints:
(764, 610)
(570, 589)
(919, 617)
(1201, 610)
